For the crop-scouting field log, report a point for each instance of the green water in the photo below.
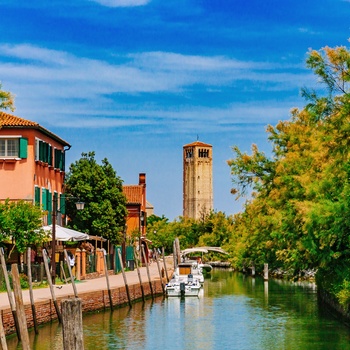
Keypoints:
(234, 312)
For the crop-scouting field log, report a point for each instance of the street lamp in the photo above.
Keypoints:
(79, 206)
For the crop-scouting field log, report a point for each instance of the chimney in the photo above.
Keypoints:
(142, 179)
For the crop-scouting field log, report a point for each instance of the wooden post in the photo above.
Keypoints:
(139, 275)
(125, 281)
(178, 250)
(266, 272)
(72, 325)
(63, 273)
(49, 280)
(159, 271)
(107, 280)
(22, 321)
(70, 273)
(78, 264)
(148, 274)
(29, 261)
(2, 335)
(253, 270)
(164, 263)
(83, 264)
(9, 292)
(174, 255)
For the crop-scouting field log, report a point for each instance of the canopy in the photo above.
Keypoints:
(66, 234)
(203, 250)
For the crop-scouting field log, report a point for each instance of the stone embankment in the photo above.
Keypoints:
(93, 293)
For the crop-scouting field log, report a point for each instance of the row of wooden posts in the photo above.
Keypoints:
(71, 315)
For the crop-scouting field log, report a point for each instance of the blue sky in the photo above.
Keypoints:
(135, 80)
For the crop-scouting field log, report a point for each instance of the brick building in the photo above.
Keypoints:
(197, 179)
(32, 163)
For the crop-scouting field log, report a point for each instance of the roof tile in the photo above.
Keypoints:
(133, 193)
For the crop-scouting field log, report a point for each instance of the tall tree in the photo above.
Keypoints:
(6, 100)
(101, 189)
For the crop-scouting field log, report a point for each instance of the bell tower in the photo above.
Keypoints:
(197, 179)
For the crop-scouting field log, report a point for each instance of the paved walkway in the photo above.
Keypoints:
(96, 284)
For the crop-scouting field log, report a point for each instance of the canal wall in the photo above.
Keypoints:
(332, 305)
(91, 301)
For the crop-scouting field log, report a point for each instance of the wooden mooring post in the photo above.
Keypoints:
(72, 324)
(147, 268)
(22, 321)
(70, 273)
(124, 276)
(139, 275)
(2, 335)
(9, 292)
(32, 303)
(266, 272)
(107, 280)
(49, 280)
(164, 263)
(159, 271)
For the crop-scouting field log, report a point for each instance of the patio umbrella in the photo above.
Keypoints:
(66, 234)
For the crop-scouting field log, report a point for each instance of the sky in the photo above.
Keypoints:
(136, 80)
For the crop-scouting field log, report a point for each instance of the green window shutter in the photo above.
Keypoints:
(50, 155)
(49, 207)
(57, 158)
(37, 196)
(63, 204)
(44, 199)
(41, 150)
(23, 148)
(63, 166)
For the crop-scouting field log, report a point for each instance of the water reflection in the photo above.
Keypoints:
(233, 312)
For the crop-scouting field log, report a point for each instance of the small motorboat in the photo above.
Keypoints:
(183, 286)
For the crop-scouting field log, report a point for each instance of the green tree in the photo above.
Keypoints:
(101, 189)
(6, 100)
(20, 222)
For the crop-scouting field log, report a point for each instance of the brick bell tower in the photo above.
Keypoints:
(197, 179)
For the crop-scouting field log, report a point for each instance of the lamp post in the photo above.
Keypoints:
(79, 206)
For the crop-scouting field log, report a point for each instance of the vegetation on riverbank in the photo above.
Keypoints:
(297, 217)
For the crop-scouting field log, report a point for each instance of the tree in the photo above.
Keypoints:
(20, 222)
(6, 100)
(101, 189)
(298, 216)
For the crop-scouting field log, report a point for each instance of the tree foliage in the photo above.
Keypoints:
(99, 187)
(20, 223)
(6, 100)
(298, 216)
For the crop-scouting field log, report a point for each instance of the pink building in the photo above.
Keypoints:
(32, 163)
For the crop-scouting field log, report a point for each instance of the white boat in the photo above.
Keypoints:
(190, 267)
(183, 287)
(186, 280)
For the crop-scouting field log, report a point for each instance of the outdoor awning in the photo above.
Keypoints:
(66, 234)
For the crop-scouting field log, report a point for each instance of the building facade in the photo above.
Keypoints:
(32, 163)
(197, 179)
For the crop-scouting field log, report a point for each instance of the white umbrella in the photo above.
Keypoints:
(66, 234)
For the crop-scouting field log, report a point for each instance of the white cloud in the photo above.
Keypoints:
(122, 3)
(60, 84)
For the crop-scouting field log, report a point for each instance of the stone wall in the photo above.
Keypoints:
(91, 301)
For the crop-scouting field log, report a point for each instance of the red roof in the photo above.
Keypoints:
(133, 193)
(11, 121)
(198, 144)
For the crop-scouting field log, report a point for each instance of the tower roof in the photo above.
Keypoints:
(11, 121)
(198, 144)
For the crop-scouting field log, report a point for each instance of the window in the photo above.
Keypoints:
(13, 147)
(43, 151)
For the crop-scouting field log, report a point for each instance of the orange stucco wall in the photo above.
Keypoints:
(18, 178)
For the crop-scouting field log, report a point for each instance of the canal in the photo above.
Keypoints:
(233, 312)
